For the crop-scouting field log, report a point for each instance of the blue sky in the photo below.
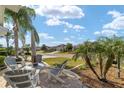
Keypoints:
(75, 24)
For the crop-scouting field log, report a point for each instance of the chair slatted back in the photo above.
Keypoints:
(19, 78)
(11, 63)
(63, 65)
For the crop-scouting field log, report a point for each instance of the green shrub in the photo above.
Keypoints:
(2, 60)
(3, 51)
(12, 52)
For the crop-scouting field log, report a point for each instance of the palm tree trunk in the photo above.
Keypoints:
(101, 65)
(118, 65)
(23, 44)
(7, 42)
(108, 64)
(33, 47)
(90, 65)
(16, 36)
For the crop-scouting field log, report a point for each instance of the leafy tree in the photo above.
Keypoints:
(69, 47)
(44, 47)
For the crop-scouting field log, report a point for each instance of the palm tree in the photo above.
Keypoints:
(119, 51)
(84, 52)
(115, 51)
(22, 21)
(34, 40)
(109, 53)
(22, 37)
(104, 49)
(99, 52)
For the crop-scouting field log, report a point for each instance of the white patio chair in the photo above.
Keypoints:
(11, 64)
(21, 79)
(56, 72)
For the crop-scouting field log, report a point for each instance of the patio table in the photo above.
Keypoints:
(36, 69)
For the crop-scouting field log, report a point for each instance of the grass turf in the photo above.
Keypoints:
(56, 61)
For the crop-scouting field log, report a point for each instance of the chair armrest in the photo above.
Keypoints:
(34, 73)
(53, 67)
(21, 67)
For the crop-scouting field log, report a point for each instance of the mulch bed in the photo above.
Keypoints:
(89, 79)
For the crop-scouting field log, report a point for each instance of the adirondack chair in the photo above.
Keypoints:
(21, 79)
(57, 71)
(11, 64)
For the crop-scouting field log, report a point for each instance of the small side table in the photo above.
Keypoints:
(36, 69)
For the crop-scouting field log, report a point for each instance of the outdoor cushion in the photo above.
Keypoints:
(55, 71)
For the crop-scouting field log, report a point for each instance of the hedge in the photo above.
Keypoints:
(2, 60)
(3, 51)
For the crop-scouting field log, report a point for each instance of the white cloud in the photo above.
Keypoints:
(78, 27)
(66, 39)
(114, 13)
(69, 25)
(72, 37)
(53, 22)
(65, 31)
(117, 24)
(61, 12)
(97, 33)
(106, 33)
(56, 13)
(45, 36)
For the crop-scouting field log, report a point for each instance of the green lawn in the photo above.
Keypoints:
(71, 63)
(56, 61)
(64, 53)
(42, 52)
(39, 52)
